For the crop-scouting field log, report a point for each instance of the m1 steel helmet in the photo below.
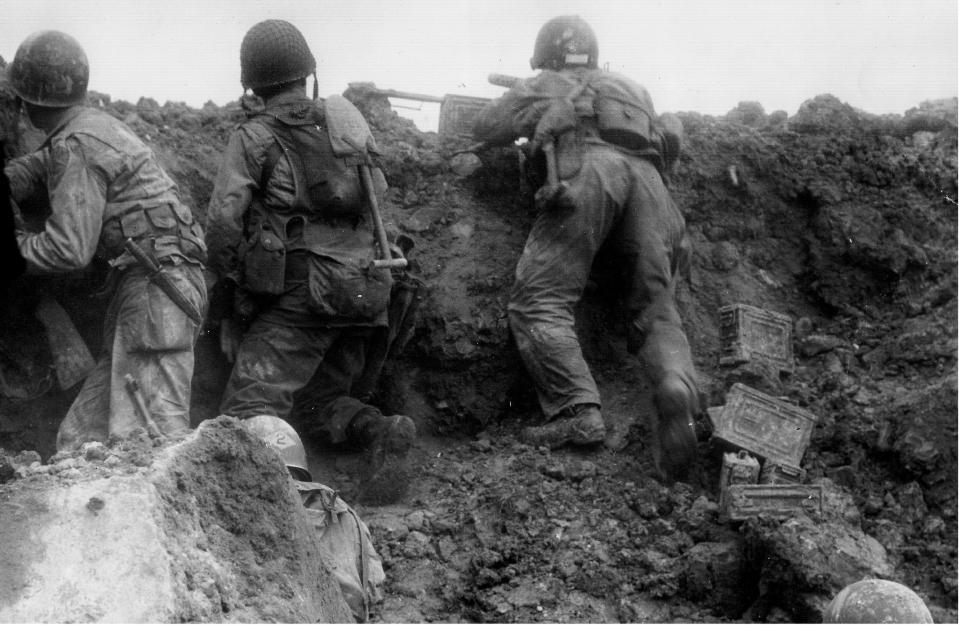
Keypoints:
(274, 52)
(282, 438)
(565, 41)
(50, 69)
(876, 601)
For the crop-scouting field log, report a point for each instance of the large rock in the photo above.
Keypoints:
(208, 529)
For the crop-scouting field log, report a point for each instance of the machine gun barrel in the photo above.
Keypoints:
(503, 80)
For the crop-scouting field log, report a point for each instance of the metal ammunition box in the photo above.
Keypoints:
(774, 473)
(748, 333)
(738, 468)
(770, 428)
(778, 501)
(458, 113)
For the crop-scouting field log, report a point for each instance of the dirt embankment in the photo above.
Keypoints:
(845, 221)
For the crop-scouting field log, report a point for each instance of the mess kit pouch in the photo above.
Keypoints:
(622, 122)
(347, 289)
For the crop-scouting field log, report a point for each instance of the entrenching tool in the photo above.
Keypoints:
(381, 240)
(140, 405)
(350, 136)
(72, 360)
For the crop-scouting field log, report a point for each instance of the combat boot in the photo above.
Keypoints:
(581, 424)
(675, 403)
(386, 441)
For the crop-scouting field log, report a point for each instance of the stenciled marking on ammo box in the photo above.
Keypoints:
(765, 426)
(753, 333)
(458, 113)
(780, 501)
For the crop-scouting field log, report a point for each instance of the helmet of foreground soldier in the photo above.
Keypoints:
(876, 601)
(274, 52)
(565, 41)
(50, 69)
(282, 438)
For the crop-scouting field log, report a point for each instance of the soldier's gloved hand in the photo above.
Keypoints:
(553, 197)
(230, 337)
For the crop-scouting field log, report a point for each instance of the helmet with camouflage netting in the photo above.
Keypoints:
(565, 41)
(50, 69)
(274, 52)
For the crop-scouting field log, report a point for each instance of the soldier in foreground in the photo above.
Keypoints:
(109, 198)
(292, 246)
(602, 153)
(345, 541)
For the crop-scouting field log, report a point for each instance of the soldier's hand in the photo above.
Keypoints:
(230, 336)
(553, 197)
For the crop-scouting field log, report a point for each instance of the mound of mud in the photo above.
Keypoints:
(842, 220)
(208, 529)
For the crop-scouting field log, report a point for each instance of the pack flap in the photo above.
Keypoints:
(349, 133)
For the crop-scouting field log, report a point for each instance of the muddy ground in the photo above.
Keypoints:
(842, 220)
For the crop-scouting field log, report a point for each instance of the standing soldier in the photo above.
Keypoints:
(602, 152)
(291, 243)
(109, 198)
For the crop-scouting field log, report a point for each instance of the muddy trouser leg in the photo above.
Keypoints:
(272, 363)
(325, 404)
(652, 238)
(551, 275)
(148, 337)
(88, 418)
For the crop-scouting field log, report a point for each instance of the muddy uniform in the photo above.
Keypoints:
(288, 224)
(105, 185)
(613, 193)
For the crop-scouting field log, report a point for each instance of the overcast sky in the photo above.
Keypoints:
(883, 56)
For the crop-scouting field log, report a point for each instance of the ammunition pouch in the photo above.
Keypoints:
(263, 261)
(171, 226)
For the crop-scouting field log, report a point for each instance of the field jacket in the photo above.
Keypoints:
(104, 185)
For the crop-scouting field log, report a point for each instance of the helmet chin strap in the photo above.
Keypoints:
(316, 87)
